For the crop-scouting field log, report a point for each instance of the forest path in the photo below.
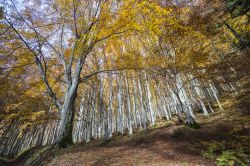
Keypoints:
(153, 150)
(166, 144)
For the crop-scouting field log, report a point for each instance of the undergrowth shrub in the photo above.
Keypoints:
(226, 157)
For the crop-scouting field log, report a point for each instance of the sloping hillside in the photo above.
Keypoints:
(168, 145)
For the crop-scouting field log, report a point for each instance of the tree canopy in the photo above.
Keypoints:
(103, 61)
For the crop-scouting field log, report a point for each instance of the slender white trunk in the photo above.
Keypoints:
(210, 107)
(203, 107)
(134, 103)
(184, 101)
(215, 92)
(129, 124)
(110, 111)
(120, 106)
(143, 112)
(162, 102)
(151, 113)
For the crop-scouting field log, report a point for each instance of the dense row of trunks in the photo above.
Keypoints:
(120, 103)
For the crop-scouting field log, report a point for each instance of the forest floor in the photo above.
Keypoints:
(223, 137)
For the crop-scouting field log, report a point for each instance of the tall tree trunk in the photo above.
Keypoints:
(203, 107)
(120, 106)
(162, 102)
(129, 124)
(210, 107)
(143, 112)
(135, 104)
(65, 128)
(182, 97)
(110, 110)
(151, 113)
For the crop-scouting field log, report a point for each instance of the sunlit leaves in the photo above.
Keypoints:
(102, 35)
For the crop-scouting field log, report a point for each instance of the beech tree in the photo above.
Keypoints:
(68, 31)
(81, 70)
(62, 38)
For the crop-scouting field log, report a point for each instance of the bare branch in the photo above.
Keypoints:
(85, 78)
(40, 67)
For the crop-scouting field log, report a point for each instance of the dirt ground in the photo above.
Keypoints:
(165, 145)
(158, 147)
